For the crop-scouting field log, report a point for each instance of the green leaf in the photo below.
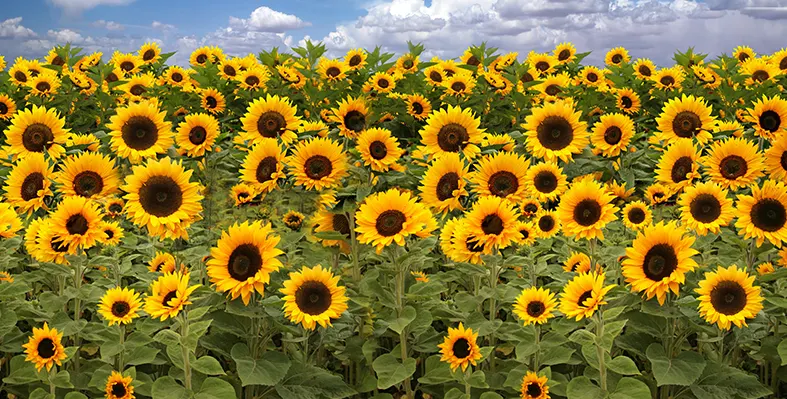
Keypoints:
(167, 337)
(582, 337)
(724, 382)
(208, 365)
(556, 355)
(168, 388)
(141, 355)
(307, 382)
(623, 365)
(215, 388)
(490, 395)
(583, 388)
(62, 380)
(437, 372)
(399, 324)
(40, 393)
(782, 349)
(268, 370)
(630, 388)
(390, 371)
(681, 370)
(75, 395)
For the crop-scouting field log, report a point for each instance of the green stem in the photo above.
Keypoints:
(354, 246)
(52, 388)
(78, 271)
(493, 277)
(122, 335)
(399, 282)
(306, 345)
(602, 368)
(776, 365)
(468, 388)
(536, 360)
(185, 351)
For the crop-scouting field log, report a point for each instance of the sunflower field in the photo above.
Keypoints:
(294, 226)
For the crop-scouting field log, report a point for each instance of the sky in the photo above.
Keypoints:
(651, 28)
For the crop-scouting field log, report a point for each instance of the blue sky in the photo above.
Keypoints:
(648, 28)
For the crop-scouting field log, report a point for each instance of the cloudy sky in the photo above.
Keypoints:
(650, 28)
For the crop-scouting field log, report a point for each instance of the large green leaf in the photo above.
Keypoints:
(630, 388)
(390, 371)
(623, 365)
(681, 370)
(583, 388)
(782, 349)
(268, 370)
(208, 365)
(167, 388)
(398, 324)
(215, 388)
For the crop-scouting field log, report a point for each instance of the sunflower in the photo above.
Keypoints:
(769, 117)
(732, 128)
(9, 221)
(48, 246)
(243, 260)
(36, 130)
(705, 207)
(658, 193)
(89, 175)
(489, 140)
(459, 348)
(390, 217)
(197, 133)
(113, 77)
(128, 63)
(119, 306)
(161, 197)
(351, 116)
(19, 74)
(119, 387)
(8, 107)
(230, 69)
(643, 69)
(443, 184)
(113, 233)
(462, 245)
(113, 207)
(407, 63)
(583, 295)
(139, 131)
(243, 193)
(420, 277)
(169, 294)
(776, 159)
(637, 215)
(136, 86)
(468, 58)
(309, 128)
(617, 56)
(77, 221)
(44, 348)
(669, 79)
(743, 53)
(44, 85)
(28, 183)
(734, 163)
(565, 53)
(763, 215)
(534, 387)
(452, 130)
(263, 166)
(686, 117)
(678, 165)
(502, 175)
(619, 190)
(383, 82)
(728, 297)
(529, 207)
(527, 233)
(577, 262)
(492, 221)
(461, 84)
(765, 268)
(162, 263)
(544, 64)
(555, 131)
(612, 134)
(149, 53)
(759, 71)
(355, 59)
(547, 223)
(535, 305)
(293, 220)
(176, 76)
(332, 70)
(545, 181)
(318, 163)
(417, 106)
(312, 296)
(254, 79)
(659, 259)
(552, 85)
(591, 76)
(379, 149)
(201, 56)
(435, 75)
(628, 101)
(325, 221)
(271, 117)
(585, 209)
(6, 277)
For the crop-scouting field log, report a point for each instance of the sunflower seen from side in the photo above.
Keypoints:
(577, 262)
(350, 114)
(452, 130)
(44, 348)
(325, 221)
(379, 149)
(585, 209)
(535, 305)
(763, 214)
(463, 246)
(162, 262)
(678, 165)
(583, 295)
(705, 208)
(113, 233)
(460, 348)
(169, 294)
(318, 163)
(727, 296)
(776, 159)
(443, 184)
(139, 131)
(659, 259)
(389, 217)
(119, 306)
(29, 183)
(555, 131)
(734, 163)
(243, 260)
(7, 107)
(313, 296)
(9, 221)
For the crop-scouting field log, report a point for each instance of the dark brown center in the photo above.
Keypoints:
(383, 83)
(545, 182)
(355, 121)
(252, 81)
(137, 90)
(768, 214)
(705, 208)
(3, 108)
(333, 71)
(461, 348)
(446, 186)
(667, 81)
(202, 58)
(555, 133)
(626, 102)
(686, 124)
(436, 76)
(313, 297)
(43, 86)
(613, 135)
(317, 167)
(760, 75)
(77, 225)
(533, 390)
(169, 297)
(211, 102)
(355, 60)
(542, 66)
(265, 169)
(546, 223)
(271, 124)
(492, 224)
(417, 108)
(681, 168)
(32, 184)
(88, 183)
(149, 55)
(177, 77)
(587, 212)
(644, 70)
(458, 86)
(617, 59)
(198, 135)
(229, 70)
(126, 65)
(378, 150)
(120, 308)
(244, 262)
(592, 77)
(636, 215)
(37, 137)
(139, 133)
(659, 262)
(503, 183)
(452, 137)
(535, 308)
(728, 297)
(770, 121)
(584, 297)
(733, 167)
(118, 390)
(390, 222)
(20, 76)
(46, 348)
(563, 55)
(160, 196)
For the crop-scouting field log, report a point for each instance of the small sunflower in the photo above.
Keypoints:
(759, 71)
(213, 101)
(325, 221)
(271, 117)
(89, 175)
(312, 128)
(769, 117)
(577, 262)
(460, 85)
(459, 348)
(332, 70)
(585, 209)
(628, 101)
(743, 53)
(417, 106)
(545, 181)
(617, 56)
(678, 165)
(229, 69)
(139, 131)
(169, 294)
(553, 85)
(318, 163)
(669, 79)
(407, 63)
(547, 223)
(37, 130)
(379, 149)
(529, 207)
(113, 233)
(637, 215)
(643, 68)
(658, 193)
(583, 295)
(686, 117)
(763, 215)
(527, 232)
(734, 163)
(435, 75)
(705, 207)
(119, 306)
(452, 130)
(44, 85)
(119, 387)
(197, 134)
(534, 387)
(565, 53)
(136, 86)
(77, 221)
(243, 193)
(9, 221)
(293, 220)
(535, 305)
(355, 59)
(460, 245)
(728, 297)
(383, 82)
(28, 184)
(263, 166)
(612, 134)
(591, 76)
(659, 259)
(113, 207)
(501, 174)
(162, 263)
(544, 64)
(312, 296)
(254, 79)
(351, 116)
(44, 348)
(128, 63)
(776, 159)
(7, 107)
(390, 217)
(443, 184)
(554, 131)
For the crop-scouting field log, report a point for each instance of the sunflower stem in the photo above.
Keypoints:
(468, 388)
(354, 245)
(399, 282)
(122, 340)
(185, 351)
(78, 271)
(52, 388)
(536, 360)
(602, 368)
(493, 276)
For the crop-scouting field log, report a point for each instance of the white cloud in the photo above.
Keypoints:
(264, 19)
(77, 6)
(12, 29)
(65, 36)
(162, 26)
(108, 25)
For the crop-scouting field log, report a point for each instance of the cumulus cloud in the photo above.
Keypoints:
(12, 29)
(108, 25)
(65, 36)
(265, 19)
(162, 26)
(77, 6)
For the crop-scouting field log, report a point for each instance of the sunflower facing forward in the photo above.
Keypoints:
(444, 183)
(270, 117)
(28, 183)
(139, 131)
(213, 101)
(77, 221)
(492, 221)
(37, 130)
(585, 209)
(628, 101)
(734, 163)
(502, 175)
(162, 198)
(546, 181)
(705, 207)
(119, 387)
(452, 130)
(769, 117)
(554, 131)
(534, 387)
(243, 259)
(547, 224)
(89, 175)
(659, 259)
(535, 305)
(612, 134)
(763, 215)
(685, 117)
(44, 348)
(637, 215)
(318, 163)
(119, 305)
(351, 116)
(678, 166)
(390, 217)
(459, 348)
(728, 297)
(583, 295)
(197, 133)
(169, 294)
(312, 296)
(379, 149)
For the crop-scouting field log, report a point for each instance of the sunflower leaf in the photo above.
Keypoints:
(268, 370)
(215, 388)
(583, 388)
(630, 388)
(400, 323)
(390, 371)
(681, 370)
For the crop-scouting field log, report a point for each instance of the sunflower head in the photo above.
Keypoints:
(554, 131)
(293, 220)
(312, 296)
(763, 215)
(535, 305)
(44, 348)
(459, 348)
(637, 215)
(585, 209)
(583, 295)
(389, 217)
(727, 296)
(534, 387)
(119, 387)
(119, 306)
(318, 163)
(169, 294)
